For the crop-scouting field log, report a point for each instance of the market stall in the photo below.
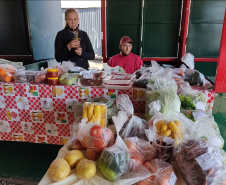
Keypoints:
(116, 128)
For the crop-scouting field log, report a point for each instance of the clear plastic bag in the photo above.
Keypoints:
(161, 173)
(124, 103)
(178, 71)
(23, 76)
(207, 128)
(181, 128)
(93, 135)
(140, 150)
(188, 59)
(135, 126)
(197, 160)
(7, 72)
(69, 79)
(40, 77)
(218, 177)
(161, 82)
(168, 100)
(194, 77)
(114, 161)
(192, 99)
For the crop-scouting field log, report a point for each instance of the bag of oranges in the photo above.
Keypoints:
(6, 72)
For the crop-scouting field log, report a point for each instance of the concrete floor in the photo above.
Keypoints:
(16, 181)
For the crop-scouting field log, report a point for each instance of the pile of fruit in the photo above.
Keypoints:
(170, 129)
(95, 113)
(60, 168)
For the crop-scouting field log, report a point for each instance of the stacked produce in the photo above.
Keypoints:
(60, 168)
(95, 113)
(197, 160)
(95, 138)
(6, 72)
(161, 173)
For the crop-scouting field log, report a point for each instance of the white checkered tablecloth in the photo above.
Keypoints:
(46, 119)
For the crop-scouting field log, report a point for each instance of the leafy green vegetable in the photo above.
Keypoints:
(169, 101)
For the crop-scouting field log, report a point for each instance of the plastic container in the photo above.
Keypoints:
(164, 147)
(52, 81)
(22, 76)
(118, 86)
(52, 73)
(91, 114)
(118, 79)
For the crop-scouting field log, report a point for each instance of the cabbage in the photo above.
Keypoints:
(169, 101)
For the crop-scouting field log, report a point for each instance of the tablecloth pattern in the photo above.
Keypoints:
(45, 114)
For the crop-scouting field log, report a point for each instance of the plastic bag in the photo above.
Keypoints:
(17, 65)
(168, 100)
(197, 160)
(192, 99)
(178, 71)
(40, 77)
(124, 103)
(135, 126)
(114, 161)
(161, 173)
(139, 149)
(185, 127)
(22, 76)
(194, 77)
(188, 59)
(7, 72)
(66, 66)
(206, 128)
(93, 135)
(69, 79)
(116, 69)
(161, 82)
(218, 177)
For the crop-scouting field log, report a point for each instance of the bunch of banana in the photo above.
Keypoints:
(170, 129)
(95, 113)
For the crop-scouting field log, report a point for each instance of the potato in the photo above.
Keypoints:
(59, 169)
(86, 169)
(73, 157)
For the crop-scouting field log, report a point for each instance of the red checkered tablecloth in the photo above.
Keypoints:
(45, 114)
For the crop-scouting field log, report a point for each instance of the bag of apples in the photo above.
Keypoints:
(95, 138)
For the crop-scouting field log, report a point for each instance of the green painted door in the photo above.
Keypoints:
(123, 18)
(205, 28)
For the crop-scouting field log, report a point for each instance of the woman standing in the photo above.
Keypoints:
(72, 44)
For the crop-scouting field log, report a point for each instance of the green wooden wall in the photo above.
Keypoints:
(205, 28)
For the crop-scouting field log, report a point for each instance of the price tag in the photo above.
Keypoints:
(173, 179)
(207, 160)
(200, 106)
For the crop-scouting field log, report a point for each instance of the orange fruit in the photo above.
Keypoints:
(2, 72)
(8, 78)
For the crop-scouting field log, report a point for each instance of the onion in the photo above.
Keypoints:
(41, 78)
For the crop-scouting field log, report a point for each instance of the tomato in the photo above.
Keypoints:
(108, 136)
(97, 131)
(99, 143)
(93, 154)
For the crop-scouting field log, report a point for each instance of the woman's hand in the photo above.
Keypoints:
(78, 51)
(73, 44)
